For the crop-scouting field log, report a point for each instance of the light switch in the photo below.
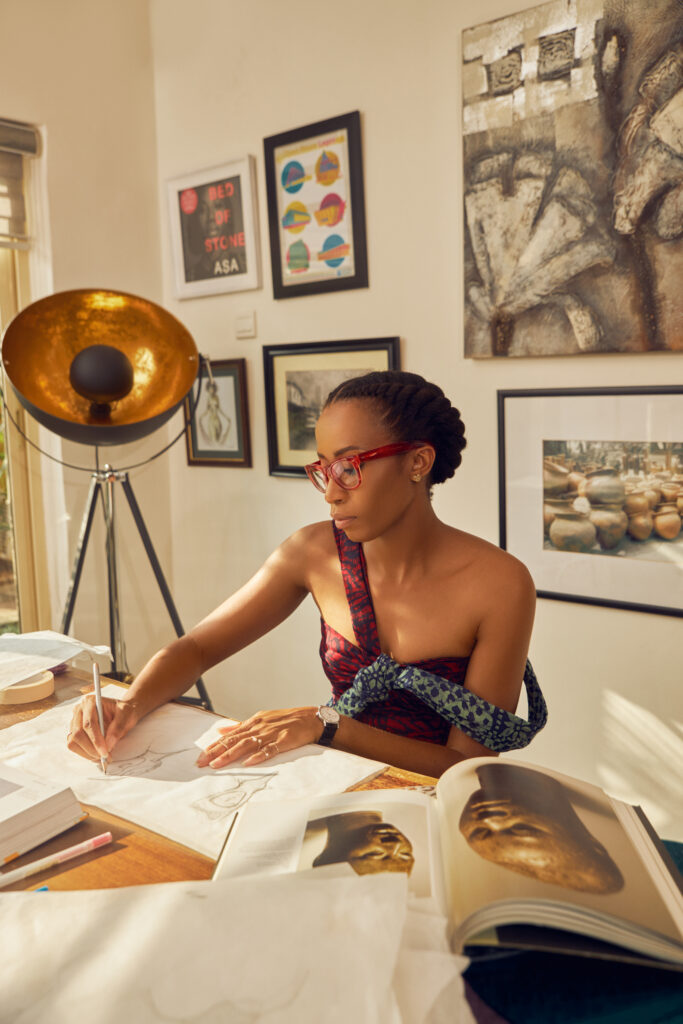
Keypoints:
(245, 325)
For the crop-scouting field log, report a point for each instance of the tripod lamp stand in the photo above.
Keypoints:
(103, 368)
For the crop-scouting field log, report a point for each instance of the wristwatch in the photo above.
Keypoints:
(330, 719)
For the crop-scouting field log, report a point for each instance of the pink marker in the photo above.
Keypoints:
(54, 858)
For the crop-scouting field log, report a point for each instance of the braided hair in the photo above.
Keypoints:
(413, 410)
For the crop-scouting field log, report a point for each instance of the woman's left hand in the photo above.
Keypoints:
(262, 736)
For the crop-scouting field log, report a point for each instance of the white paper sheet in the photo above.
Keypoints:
(153, 779)
(23, 655)
(286, 950)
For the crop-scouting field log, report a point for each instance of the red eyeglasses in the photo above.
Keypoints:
(346, 471)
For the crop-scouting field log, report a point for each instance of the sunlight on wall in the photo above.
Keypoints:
(642, 762)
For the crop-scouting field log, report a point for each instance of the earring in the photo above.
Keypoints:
(416, 477)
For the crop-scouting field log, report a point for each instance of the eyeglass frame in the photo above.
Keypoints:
(357, 460)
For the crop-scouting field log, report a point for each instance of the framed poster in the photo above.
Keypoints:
(298, 379)
(214, 230)
(316, 208)
(217, 431)
(591, 493)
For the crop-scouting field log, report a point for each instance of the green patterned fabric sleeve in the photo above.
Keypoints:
(486, 723)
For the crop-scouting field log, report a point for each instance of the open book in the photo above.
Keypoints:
(32, 810)
(512, 854)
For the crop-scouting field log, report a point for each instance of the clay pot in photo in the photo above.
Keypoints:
(640, 525)
(611, 523)
(575, 481)
(667, 521)
(572, 531)
(679, 503)
(636, 501)
(654, 494)
(554, 478)
(605, 487)
(551, 507)
(670, 491)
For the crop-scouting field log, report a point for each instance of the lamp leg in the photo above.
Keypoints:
(120, 670)
(204, 699)
(81, 547)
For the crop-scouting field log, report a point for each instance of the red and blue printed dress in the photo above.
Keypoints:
(401, 712)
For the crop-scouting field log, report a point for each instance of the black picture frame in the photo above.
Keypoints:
(223, 406)
(314, 185)
(548, 441)
(300, 376)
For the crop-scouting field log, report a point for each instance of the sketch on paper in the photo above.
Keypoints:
(573, 179)
(240, 788)
(144, 763)
(214, 424)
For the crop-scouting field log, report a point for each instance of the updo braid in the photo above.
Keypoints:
(413, 410)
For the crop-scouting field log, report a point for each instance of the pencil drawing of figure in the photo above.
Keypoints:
(241, 787)
(144, 763)
(214, 425)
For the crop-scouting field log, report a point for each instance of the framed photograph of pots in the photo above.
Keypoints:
(316, 207)
(217, 431)
(298, 379)
(214, 230)
(591, 493)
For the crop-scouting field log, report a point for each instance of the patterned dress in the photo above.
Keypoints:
(401, 712)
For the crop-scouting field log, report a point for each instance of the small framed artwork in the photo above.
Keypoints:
(316, 208)
(591, 493)
(214, 230)
(298, 379)
(217, 431)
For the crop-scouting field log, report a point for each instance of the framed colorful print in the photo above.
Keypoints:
(218, 427)
(591, 493)
(214, 230)
(316, 208)
(298, 379)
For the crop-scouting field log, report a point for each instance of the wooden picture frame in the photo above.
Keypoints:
(584, 478)
(217, 432)
(316, 208)
(298, 378)
(214, 230)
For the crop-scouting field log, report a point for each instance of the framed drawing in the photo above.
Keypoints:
(217, 431)
(214, 230)
(591, 493)
(298, 379)
(316, 208)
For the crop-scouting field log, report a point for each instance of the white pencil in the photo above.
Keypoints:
(54, 858)
(98, 704)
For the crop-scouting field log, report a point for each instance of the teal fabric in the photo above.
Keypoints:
(495, 728)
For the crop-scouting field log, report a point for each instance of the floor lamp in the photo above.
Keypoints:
(103, 368)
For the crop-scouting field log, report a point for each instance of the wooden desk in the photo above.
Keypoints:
(135, 856)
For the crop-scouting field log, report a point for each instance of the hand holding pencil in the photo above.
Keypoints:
(95, 730)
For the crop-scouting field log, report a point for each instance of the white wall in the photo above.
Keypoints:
(226, 74)
(82, 71)
(226, 77)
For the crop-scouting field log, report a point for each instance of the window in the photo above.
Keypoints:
(21, 531)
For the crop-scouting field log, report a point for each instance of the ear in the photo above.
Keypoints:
(422, 460)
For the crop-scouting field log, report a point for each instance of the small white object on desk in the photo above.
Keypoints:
(36, 687)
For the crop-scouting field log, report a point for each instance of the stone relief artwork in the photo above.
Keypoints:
(573, 179)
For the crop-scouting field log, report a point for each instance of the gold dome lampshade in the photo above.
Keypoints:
(97, 366)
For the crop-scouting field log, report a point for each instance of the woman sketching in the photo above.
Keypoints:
(425, 628)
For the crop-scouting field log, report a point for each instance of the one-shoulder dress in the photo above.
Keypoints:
(402, 712)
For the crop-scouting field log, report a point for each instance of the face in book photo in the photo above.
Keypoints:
(369, 842)
(523, 820)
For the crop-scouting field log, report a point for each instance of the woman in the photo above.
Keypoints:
(425, 629)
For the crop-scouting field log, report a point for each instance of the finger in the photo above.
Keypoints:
(242, 748)
(91, 727)
(267, 752)
(121, 723)
(72, 742)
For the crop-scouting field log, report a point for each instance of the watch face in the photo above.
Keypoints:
(328, 715)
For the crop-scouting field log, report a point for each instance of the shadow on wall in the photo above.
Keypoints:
(642, 762)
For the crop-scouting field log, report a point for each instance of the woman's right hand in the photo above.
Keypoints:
(85, 736)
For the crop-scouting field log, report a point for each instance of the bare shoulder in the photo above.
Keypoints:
(491, 565)
(306, 548)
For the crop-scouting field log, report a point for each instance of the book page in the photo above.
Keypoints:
(359, 833)
(514, 832)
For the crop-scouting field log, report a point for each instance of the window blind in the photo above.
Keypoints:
(17, 142)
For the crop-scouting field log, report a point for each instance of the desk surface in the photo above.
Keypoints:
(135, 856)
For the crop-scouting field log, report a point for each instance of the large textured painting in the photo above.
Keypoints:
(573, 179)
